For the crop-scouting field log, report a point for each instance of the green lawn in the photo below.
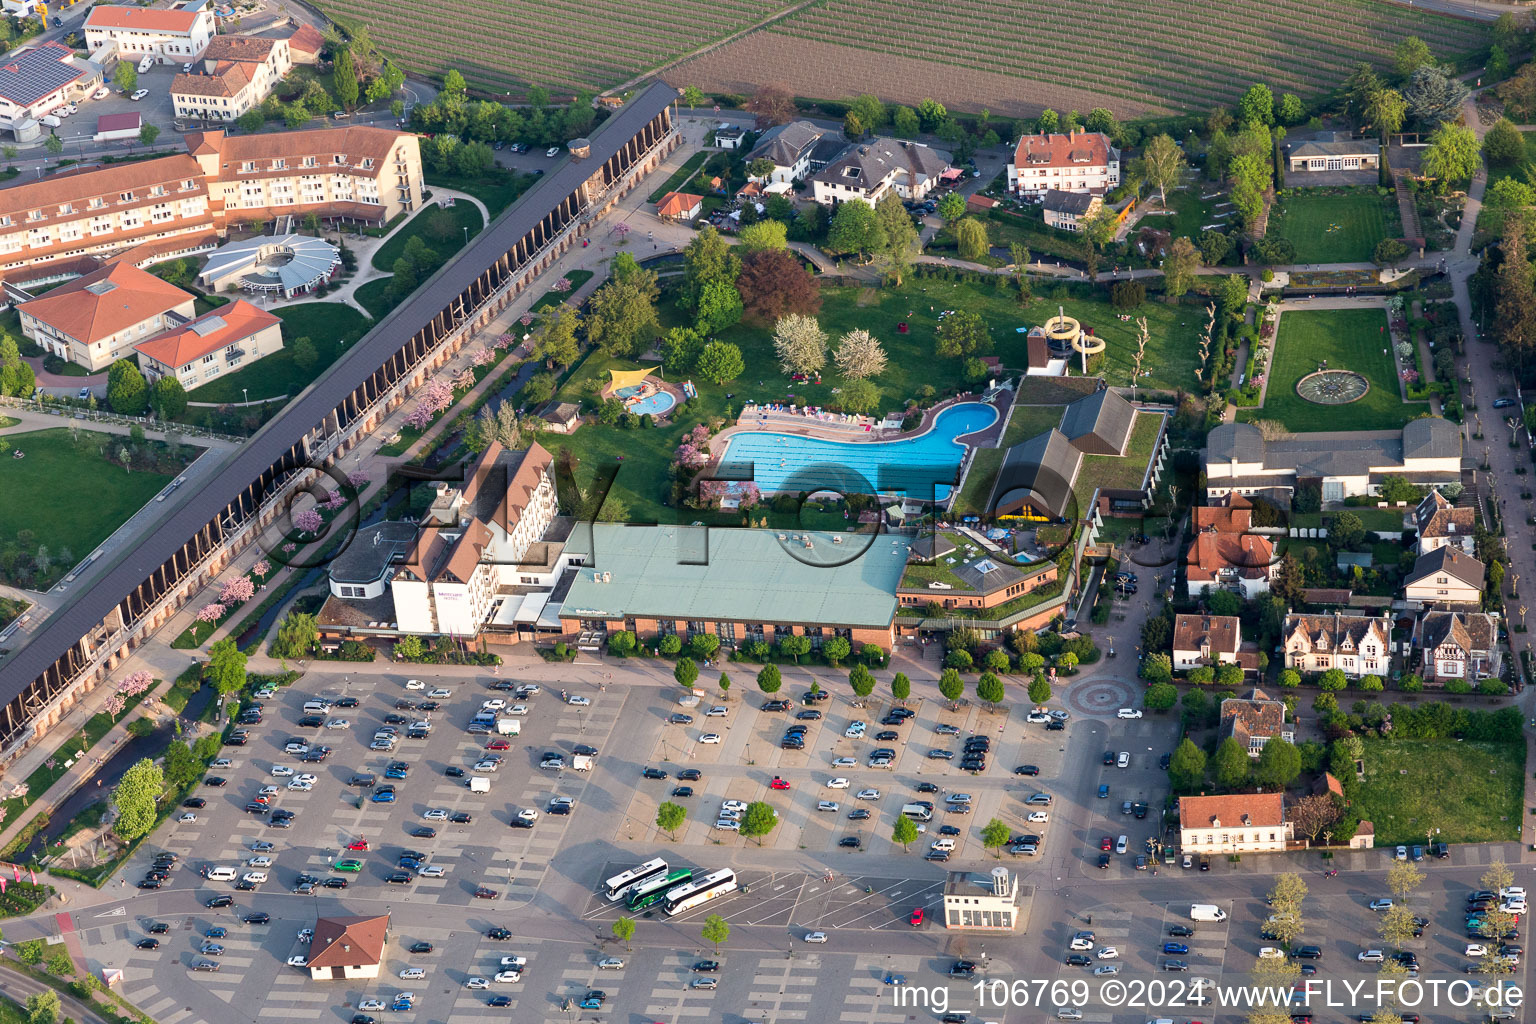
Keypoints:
(442, 228)
(1027, 421)
(65, 495)
(497, 190)
(1472, 791)
(1349, 339)
(1190, 213)
(330, 325)
(577, 278)
(681, 175)
(1121, 472)
(375, 297)
(1335, 226)
(1519, 171)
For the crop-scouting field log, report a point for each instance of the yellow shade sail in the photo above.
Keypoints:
(621, 379)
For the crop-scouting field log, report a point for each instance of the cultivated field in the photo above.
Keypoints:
(1188, 55)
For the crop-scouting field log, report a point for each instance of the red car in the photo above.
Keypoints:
(778, 783)
(1106, 843)
(498, 745)
(917, 917)
(487, 894)
(358, 844)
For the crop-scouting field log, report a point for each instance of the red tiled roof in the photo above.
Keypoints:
(1084, 149)
(349, 941)
(1261, 808)
(306, 38)
(141, 18)
(196, 338)
(1221, 633)
(1248, 553)
(676, 204)
(104, 302)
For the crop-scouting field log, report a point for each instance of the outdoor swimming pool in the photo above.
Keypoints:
(655, 404)
(923, 466)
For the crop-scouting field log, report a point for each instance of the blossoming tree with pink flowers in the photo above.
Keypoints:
(237, 591)
(308, 521)
(211, 612)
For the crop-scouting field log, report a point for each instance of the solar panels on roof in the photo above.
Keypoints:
(208, 325)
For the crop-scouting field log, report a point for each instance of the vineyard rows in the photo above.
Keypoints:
(553, 43)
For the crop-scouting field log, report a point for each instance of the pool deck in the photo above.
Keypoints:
(749, 422)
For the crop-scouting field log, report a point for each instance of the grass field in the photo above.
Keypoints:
(679, 176)
(1349, 339)
(1472, 791)
(497, 190)
(330, 325)
(441, 228)
(1338, 226)
(1027, 421)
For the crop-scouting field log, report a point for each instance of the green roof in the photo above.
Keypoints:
(735, 575)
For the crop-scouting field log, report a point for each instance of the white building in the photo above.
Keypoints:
(1357, 645)
(235, 74)
(97, 318)
(1206, 640)
(868, 171)
(1241, 823)
(129, 33)
(1076, 162)
(789, 146)
(981, 904)
(42, 78)
(1447, 576)
(1439, 523)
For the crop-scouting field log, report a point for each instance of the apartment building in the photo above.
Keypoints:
(1357, 645)
(235, 74)
(1241, 823)
(220, 341)
(130, 33)
(152, 210)
(98, 318)
(1078, 161)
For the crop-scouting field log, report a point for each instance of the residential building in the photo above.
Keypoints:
(235, 74)
(348, 948)
(1068, 210)
(680, 207)
(1240, 823)
(981, 903)
(1332, 151)
(1206, 640)
(97, 319)
(943, 574)
(1254, 720)
(170, 35)
(41, 78)
(147, 211)
(1238, 460)
(869, 171)
(1356, 644)
(305, 44)
(1078, 161)
(1226, 554)
(1439, 523)
(220, 341)
(740, 585)
(1458, 645)
(1446, 576)
(789, 147)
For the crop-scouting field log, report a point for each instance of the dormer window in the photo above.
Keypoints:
(158, 190)
(279, 164)
(188, 185)
(67, 208)
(125, 197)
(34, 215)
(340, 159)
(248, 166)
(367, 163)
(309, 161)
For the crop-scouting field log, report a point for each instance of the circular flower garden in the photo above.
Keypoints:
(1333, 387)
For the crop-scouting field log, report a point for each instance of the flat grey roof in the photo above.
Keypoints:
(748, 575)
(97, 595)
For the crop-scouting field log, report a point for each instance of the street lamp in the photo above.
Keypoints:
(245, 394)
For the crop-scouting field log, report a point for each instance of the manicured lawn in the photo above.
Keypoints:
(497, 190)
(66, 495)
(442, 228)
(330, 325)
(1029, 421)
(1349, 339)
(1190, 213)
(681, 175)
(1471, 791)
(1340, 226)
(375, 297)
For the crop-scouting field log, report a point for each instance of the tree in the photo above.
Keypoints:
(1390, 251)
(126, 391)
(1160, 696)
(345, 74)
(765, 234)
(761, 168)
(757, 821)
(43, 1007)
(707, 258)
(304, 353)
(1279, 763)
(719, 362)
(1433, 97)
(1346, 530)
(971, 238)
(930, 114)
(995, 835)
(624, 930)
(1498, 876)
(147, 134)
(952, 207)
(800, 343)
(1290, 109)
(900, 238)
(950, 684)
(1179, 267)
(180, 767)
(1232, 765)
(621, 315)
(861, 681)
(670, 644)
(1285, 899)
(554, 339)
(1214, 247)
(1403, 879)
(1503, 145)
(686, 671)
(670, 818)
(1257, 106)
(856, 229)
(835, 649)
(1386, 109)
(1232, 293)
(1162, 165)
(773, 284)
(225, 668)
(126, 76)
(1397, 925)
(1410, 55)
(716, 930)
(1514, 297)
(1186, 769)
(719, 307)
(904, 122)
(963, 333)
(769, 679)
(1039, 689)
(901, 686)
(797, 646)
(904, 831)
(989, 688)
(725, 686)
(771, 104)
(135, 798)
(168, 398)
(1311, 814)
(1157, 668)
(859, 355)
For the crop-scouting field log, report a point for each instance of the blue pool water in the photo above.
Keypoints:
(923, 467)
(656, 404)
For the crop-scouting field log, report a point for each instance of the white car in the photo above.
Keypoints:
(296, 747)
(1473, 949)
(259, 862)
(305, 934)
(1038, 717)
(301, 787)
(139, 94)
(518, 709)
(1401, 853)
(514, 961)
(1375, 956)
(1512, 890)
(1104, 969)
(338, 723)
(101, 94)
(487, 766)
(299, 961)
(577, 701)
(440, 693)
(867, 794)
(856, 729)
(436, 814)
(1080, 943)
(727, 825)
(530, 815)
(415, 684)
(308, 777)
(433, 871)
(506, 977)
(718, 711)
(412, 974)
(1128, 713)
(730, 814)
(552, 151)
(1123, 759)
(477, 983)
(494, 704)
(845, 762)
(267, 791)
(222, 762)
(369, 1004)
(815, 937)
(837, 783)
(710, 738)
(1038, 817)
(188, 817)
(733, 805)
(1108, 953)
(282, 771)
(1513, 906)
(1271, 953)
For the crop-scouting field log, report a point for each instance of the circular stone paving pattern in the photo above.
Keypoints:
(1101, 696)
(1333, 387)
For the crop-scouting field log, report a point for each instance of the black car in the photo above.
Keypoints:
(812, 696)
(245, 885)
(797, 730)
(937, 855)
(1109, 757)
(1078, 960)
(680, 719)
(222, 900)
(150, 883)
(962, 969)
(148, 944)
(424, 832)
(978, 742)
(499, 934)
(195, 801)
(214, 780)
(776, 705)
(1164, 761)
(421, 947)
(1308, 953)
(255, 807)
(792, 743)
(398, 878)
(1103, 860)
(281, 815)
(902, 713)
(335, 883)
(892, 720)
(948, 830)
(683, 791)
(851, 842)
(653, 773)
(404, 705)
(707, 966)
(315, 756)
(158, 928)
(862, 814)
(1055, 725)
(955, 1017)
(887, 737)
(346, 702)
(974, 764)
(259, 918)
(1027, 769)
(927, 787)
(502, 685)
(499, 1001)
(311, 721)
(808, 715)
(454, 773)
(362, 1018)
(690, 775)
(429, 705)
(460, 818)
(1181, 931)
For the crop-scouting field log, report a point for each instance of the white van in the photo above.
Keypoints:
(147, 63)
(320, 706)
(50, 121)
(918, 812)
(255, 877)
(944, 844)
(219, 874)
